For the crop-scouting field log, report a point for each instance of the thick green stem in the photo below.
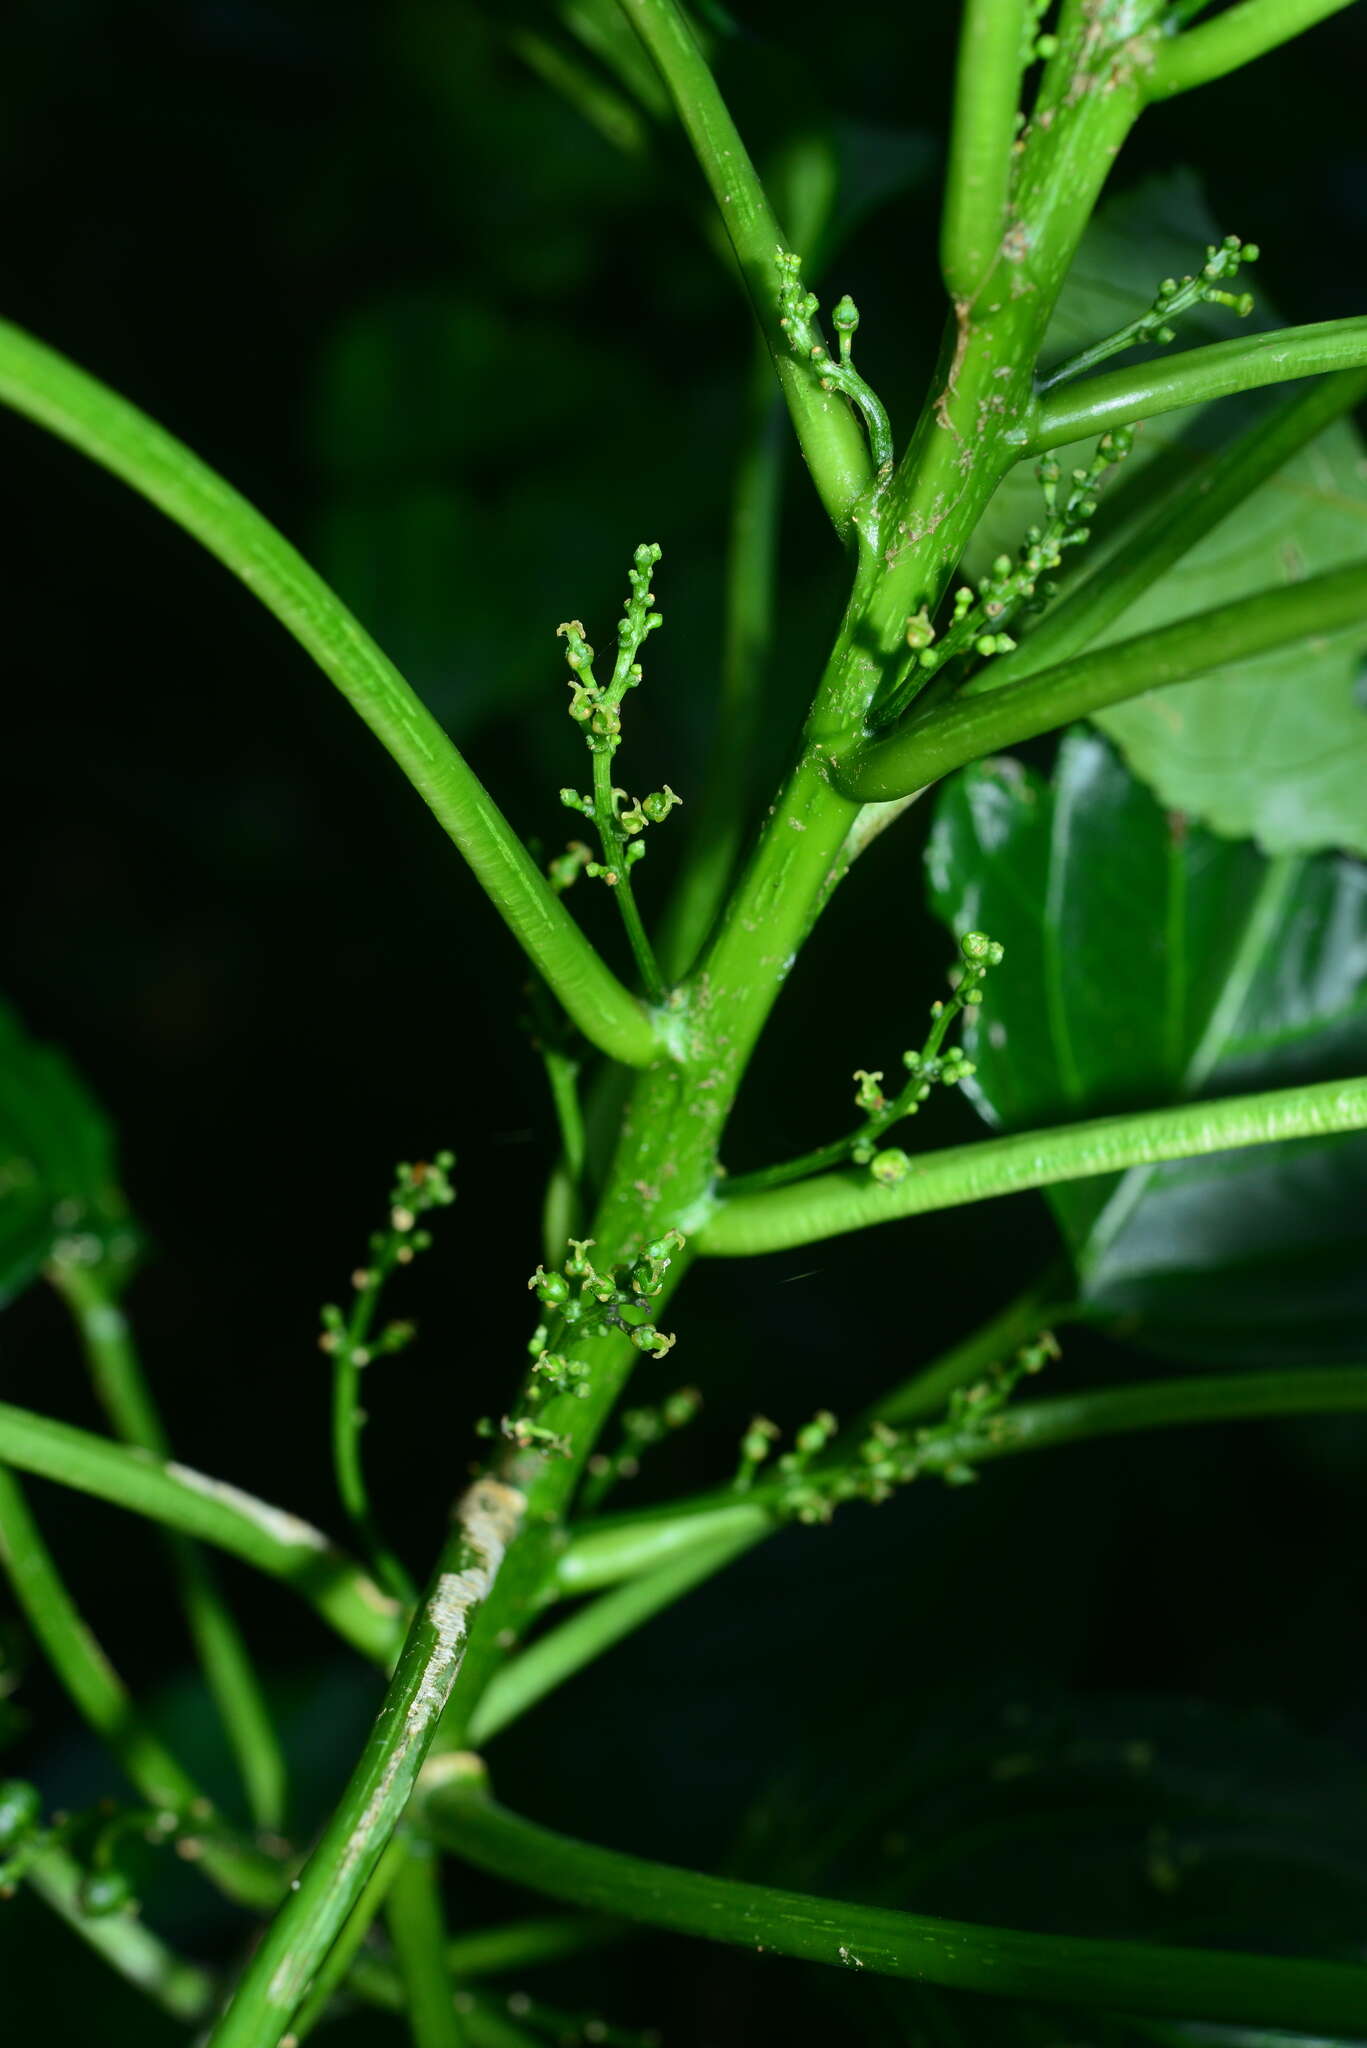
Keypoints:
(987, 83)
(1234, 39)
(926, 747)
(47, 389)
(278, 1977)
(1001, 1962)
(345, 1953)
(417, 1931)
(269, 1538)
(181, 1989)
(223, 1655)
(1198, 502)
(99, 1695)
(835, 1203)
(832, 444)
(1195, 377)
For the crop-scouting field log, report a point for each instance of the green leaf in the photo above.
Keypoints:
(58, 1186)
(1147, 961)
(1277, 748)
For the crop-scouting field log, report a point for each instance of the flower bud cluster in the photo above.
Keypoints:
(347, 1334)
(797, 310)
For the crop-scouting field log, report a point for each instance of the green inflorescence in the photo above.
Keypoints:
(1174, 297)
(797, 315)
(979, 617)
(417, 1188)
(641, 1428)
(97, 1835)
(582, 1304)
(884, 1458)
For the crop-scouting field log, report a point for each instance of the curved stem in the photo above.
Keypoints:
(1001, 1962)
(345, 1953)
(1194, 377)
(835, 1203)
(278, 1977)
(269, 1538)
(52, 392)
(1196, 504)
(831, 443)
(182, 1989)
(930, 745)
(100, 1696)
(986, 97)
(1233, 39)
(223, 1655)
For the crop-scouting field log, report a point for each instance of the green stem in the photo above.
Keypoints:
(100, 1697)
(615, 860)
(231, 1678)
(269, 1538)
(417, 1931)
(1195, 377)
(556, 1656)
(931, 744)
(181, 1989)
(1002, 1962)
(987, 84)
(1234, 39)
(350, 1349)
(832, 445)
(52, 392)
(835, 1203)
(1198, 502)
(278, 1977)
(345, 1954)
(510, 1949)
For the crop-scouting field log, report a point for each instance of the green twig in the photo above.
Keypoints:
(100, 1697)
(1197, 376)
(417, 1931)
(181, 1989)
(831, 442)
(279, 1975)
(1001, 1962)
(929, 745)
(1233, 39)
(269, 1538)
(833, 1204)
(345, 1954)
(223, 1655)
(509, 1949)
(987, 82)
(1042, 1306)
(47, 389)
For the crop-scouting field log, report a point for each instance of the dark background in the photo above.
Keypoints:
(371, 268)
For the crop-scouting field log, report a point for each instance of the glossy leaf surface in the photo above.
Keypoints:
(1149, 961)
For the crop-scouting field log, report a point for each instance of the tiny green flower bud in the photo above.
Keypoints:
(890, 1166)
(103, 1892)
(20, 1807)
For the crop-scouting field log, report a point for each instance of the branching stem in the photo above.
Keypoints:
(1233, 39)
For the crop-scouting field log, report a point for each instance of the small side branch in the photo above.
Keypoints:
(992, 49)
(1193, 378)
(926, 747)
(836, 1203)
(1235, 38)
